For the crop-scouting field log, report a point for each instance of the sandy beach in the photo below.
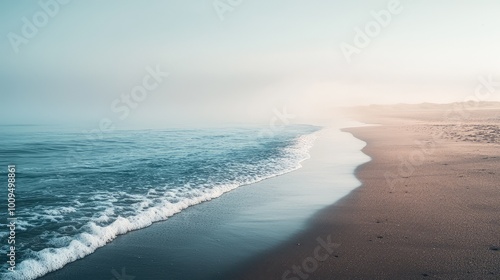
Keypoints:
(428, 207)
(209, 240)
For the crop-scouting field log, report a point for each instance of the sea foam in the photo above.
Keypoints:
(156, 205)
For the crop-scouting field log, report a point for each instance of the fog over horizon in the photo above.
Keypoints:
(238, 62)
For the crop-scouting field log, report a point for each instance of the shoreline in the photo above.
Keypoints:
(209, 239)
(437, 219)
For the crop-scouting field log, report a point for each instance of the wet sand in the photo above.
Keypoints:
(428, 207)
(205, 241)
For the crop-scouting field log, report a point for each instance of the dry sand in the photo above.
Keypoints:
(428, 207)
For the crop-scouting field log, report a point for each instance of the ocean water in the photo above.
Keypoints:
(74, 195)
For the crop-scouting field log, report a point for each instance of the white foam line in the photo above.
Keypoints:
(51, 259)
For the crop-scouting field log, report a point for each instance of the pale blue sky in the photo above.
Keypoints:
(264, 54)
